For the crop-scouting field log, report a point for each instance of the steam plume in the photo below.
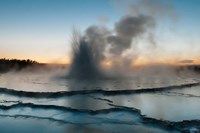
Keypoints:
(119, 44)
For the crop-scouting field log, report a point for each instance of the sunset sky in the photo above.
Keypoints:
(41, 29)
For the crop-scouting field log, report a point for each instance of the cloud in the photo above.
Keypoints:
(103, 19)
(186, 61)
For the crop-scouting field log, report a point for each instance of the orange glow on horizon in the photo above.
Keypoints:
(141, 61)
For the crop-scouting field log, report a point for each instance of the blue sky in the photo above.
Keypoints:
(41, 29)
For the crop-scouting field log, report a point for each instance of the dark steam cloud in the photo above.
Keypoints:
(127, 29)
(96, 37)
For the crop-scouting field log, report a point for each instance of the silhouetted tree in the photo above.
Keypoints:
(15, 64)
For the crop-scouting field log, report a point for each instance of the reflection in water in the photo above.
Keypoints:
(163, 105)
(84, 103)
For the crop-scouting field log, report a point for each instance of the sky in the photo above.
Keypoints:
(41, 29)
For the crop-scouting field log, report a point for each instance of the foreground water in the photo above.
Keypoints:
(44, 103)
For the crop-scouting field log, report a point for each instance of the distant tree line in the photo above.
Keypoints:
(15, 64)
(193, 68)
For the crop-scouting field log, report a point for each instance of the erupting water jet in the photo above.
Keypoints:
(84, 63)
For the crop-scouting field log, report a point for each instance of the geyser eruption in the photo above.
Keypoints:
(84, 64)
(90, 49)
(99, 43)
(119, 45)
